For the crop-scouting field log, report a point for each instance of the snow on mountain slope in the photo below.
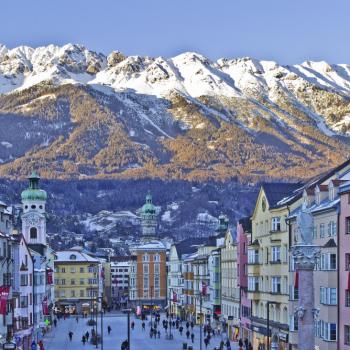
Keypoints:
(263, 84)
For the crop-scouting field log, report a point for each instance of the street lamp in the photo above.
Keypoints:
(128, 326)
(268, 321)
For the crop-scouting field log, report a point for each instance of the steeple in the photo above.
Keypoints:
(148, 218)
(33, 217)
(223, 224)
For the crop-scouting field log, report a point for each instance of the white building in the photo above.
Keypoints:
(120, 272)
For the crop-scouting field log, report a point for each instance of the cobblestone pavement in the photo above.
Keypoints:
(58, 339)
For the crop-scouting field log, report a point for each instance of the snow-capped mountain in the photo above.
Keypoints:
(76, 112)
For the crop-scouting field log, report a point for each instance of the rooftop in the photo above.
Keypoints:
(74, 256)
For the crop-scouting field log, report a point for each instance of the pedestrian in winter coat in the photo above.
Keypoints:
(33, 346)
(87, 335)
(143, 326)
(158, 334)
(187, 324)
(41, 345)
(180, 330)
(188, 334)
(192, 337)
(206, 342)
(83, 339)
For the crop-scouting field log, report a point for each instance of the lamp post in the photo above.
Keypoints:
(268, 321)
(200, 320)
(128, 326)
(151, 306)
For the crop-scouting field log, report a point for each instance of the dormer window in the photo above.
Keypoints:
(331, 191)
(73, 257)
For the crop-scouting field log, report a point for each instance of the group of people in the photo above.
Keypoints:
(39, 346)
(247, 345)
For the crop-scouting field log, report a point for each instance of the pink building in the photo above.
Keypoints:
(344, 267)
(243, 234)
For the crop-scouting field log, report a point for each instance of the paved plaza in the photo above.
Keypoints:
(58, 338)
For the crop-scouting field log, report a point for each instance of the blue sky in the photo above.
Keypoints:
(289, 31)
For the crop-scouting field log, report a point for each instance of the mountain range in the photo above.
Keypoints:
(72, 113)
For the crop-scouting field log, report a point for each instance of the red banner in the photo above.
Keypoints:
(49, 276)
(204, 288)
(296, 280)
(45, 306)
(4, 293)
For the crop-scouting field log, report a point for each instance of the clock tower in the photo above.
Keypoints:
(33, 217)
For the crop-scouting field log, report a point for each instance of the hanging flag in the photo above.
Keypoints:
(296, 280)
(102, 275)
(49, 276)
(174, 297)
(4, 293)
(45, 306)
(349, 282)
(204, 288)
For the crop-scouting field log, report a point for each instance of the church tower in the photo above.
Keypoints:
(149, 219)
(33, 217)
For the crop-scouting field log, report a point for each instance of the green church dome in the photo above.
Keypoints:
(34, 192)
(148, 207)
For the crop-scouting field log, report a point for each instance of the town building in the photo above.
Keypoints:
(268, 256)
(22, 292)
(344, 267)
(229, 286)
(120, 272)
(77, 282)
(176, 278)
(148, 275)
(188, 296)
(147, 288)
(244, 229)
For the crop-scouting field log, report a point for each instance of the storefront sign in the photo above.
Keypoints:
(9, 346)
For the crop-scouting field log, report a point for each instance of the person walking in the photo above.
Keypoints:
(180, 330)
(83, 339)
(158, 334)
(70, 335)
(87, 335)
(222, 344)
(77, 318)
(143, 326)
(41, 345)
(192, 337)
(250, 346)
(33, 346)
(109, 329)
(228, 345)
(188, 334)
(55, 322)
(206, 342)
(132, 325)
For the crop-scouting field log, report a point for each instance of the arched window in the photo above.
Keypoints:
(33, 233)
(73, 257)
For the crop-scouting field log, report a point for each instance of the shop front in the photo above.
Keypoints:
(278, 338)
(23, 339)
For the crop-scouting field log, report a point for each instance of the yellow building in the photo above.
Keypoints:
(268, 269)
(77, 281)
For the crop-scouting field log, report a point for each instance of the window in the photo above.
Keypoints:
(347, 298)
(156, 268)
(276, 224)
(72, 293)
(328, 331)
(82, 281)
(156, 281)
(347, 224)
(253, 256)
(347, 332)
(91, 269)
(24, 301)
(72, 269)
(328, 296)
(73, 257)
(63, 270)
(33, 233)
(332, 229)
(81, 270)
(276, 285)
(145, 257)
(145, 282)
(156, 258)
(276, 254)
(322, 230)
(72, 282)
(81, 293)
(328, 261)
(33, 206)
(253, 284)
(293, 320)
(145, 269)
(24, 280)
(63, 281)
(314, 233)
